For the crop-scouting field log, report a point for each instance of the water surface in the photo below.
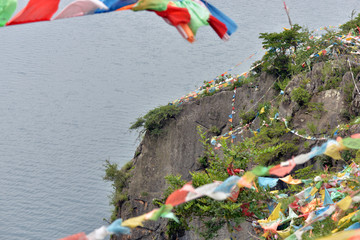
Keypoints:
(69, 90)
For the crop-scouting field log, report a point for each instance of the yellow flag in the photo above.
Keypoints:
(345, 220)
(333, 151)
(322, 192)
(313, 191)
(284, 233)
(262, 110)
(345, 203)
(289, 179)
(134, 222)
(276, 213)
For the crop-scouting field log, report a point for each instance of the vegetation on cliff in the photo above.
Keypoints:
(155, 119)
(291, 55)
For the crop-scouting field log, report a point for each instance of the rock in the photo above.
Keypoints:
(177, 149)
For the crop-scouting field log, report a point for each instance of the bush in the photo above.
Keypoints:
(155, 120)
(350, 25)
(215, 214)
(119, 180)
(301, 96)
(247, 117)
(215, 130)
(312, 127)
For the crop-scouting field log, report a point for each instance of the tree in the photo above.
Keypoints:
(281, 47)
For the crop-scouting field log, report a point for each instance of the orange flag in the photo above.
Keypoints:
(78, 236)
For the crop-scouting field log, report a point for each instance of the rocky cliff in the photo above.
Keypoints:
(177, 148)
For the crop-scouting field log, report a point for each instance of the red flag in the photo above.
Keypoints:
(175, 15)
(219, 27)
(35, 10)
(179, 196)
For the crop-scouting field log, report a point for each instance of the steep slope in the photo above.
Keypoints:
(177, 148)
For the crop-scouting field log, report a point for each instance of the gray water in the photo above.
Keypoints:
(69, 90)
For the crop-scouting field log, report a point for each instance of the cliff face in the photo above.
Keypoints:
(176, 150)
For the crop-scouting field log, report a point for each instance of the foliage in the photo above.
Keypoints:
(317, 108)
(350, 25)
(119, 180)
(281, 84)
(215, 130)
(281, 47)
(267, 107)
(155, 119)
(332, 74)
(320, 229)
(215, 214)
(257, 68)
(267, 144)
(348, 92)
(312, 127)
(301, 96)
(306, 173)
(247, 117)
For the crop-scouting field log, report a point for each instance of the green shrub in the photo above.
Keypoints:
(119, 180)
(247, 117)
(312, 127)
(350, 25)
(302, 131)
(301, 96)
(215, 130)
(348, 92)
(216, 214)
(155, 119)
(317, 108)
(281, 84)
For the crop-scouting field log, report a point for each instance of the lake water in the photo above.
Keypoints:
(69, 90)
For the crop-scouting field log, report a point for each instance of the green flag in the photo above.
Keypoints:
(7, 8)
(199, 14)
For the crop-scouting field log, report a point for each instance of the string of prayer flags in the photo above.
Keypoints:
(186, 15)
(215, 86)
(315, 203)
(232, 114)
